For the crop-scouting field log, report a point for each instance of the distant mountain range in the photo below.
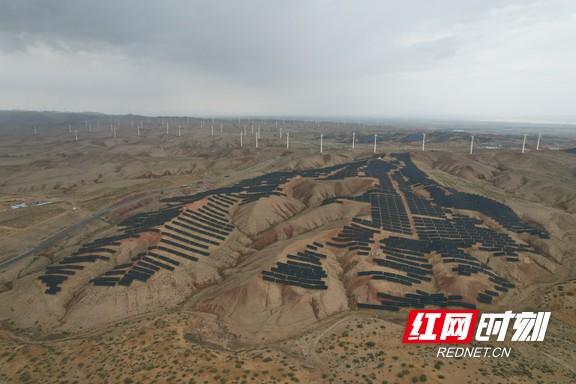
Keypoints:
(21, 118)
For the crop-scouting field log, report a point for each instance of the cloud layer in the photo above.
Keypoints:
(484, 58)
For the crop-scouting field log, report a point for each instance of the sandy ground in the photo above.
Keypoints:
(182, 345)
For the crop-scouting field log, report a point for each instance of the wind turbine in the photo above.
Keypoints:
(424, 141)
(241, 135)
(471, 144)
(321, 139)
(353, 139)
(287, 140)
(538, 142)
(375, 135)
(524, 144)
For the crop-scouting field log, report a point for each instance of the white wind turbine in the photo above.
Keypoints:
(524, 144)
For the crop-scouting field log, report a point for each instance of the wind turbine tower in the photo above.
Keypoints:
(321, 139)
(287, 140)
(472, 144)
(524, 144)
(375, 136)
(423, 142)
(353, 139)
(538, 142)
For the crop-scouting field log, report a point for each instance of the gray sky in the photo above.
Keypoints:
(461, 58)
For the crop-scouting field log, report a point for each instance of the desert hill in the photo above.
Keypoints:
(243, 255)
(273, 254)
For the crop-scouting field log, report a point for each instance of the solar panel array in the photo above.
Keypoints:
(303, 269)
(413, 214)
(417, 299)
(439, 231)
(186, 235)
(451, 198)
(386, 205)
(96, 251)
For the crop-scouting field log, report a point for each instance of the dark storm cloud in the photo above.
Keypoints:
(263, 48)
(254, 39)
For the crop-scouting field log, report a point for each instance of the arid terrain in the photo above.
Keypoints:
(178, 250)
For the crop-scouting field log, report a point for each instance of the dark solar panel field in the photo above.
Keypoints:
(405, 229)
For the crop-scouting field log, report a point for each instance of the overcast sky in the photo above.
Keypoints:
(461, 58)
